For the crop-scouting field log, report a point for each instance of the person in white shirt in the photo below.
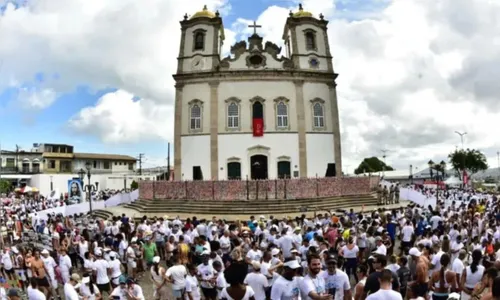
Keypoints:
(177, 276)
(257, 281)
(88, 289)
(192, 286)
(127, 290)
(458, 266)
(64, 265)
(313, 285)
(407, 233)
(385, 292)
(207, 274)
(70, 292)
(336, 281)
(100, 268)
(220, 282)
(116, 269)
(381, 248)
(33, 292)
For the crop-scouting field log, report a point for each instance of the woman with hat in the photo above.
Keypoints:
(161, 290)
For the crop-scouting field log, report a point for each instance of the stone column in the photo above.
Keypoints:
(214, 130)
(177, 132)
(301, 124)
(336, 129)
(180, 62)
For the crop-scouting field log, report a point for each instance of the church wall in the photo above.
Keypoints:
(314, 91)
(236, 146)
(201, 92)
(320, 152)
(211, 33)
(268, 90)
(195, 152)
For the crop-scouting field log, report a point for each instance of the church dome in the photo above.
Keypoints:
(302, 13)
(205, 13)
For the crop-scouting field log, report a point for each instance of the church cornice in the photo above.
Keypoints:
(257, 75)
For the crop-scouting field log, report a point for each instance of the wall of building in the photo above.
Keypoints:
(195, 152)
(60, 181)
(276, 146)
(320, 153)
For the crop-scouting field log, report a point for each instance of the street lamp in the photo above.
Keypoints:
(51, 184)
(431, 165)
(124, 181)
(89, 188)
(443, 168)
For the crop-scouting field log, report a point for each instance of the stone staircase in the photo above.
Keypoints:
(160, 207)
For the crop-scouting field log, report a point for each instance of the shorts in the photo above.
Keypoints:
(209, 293)
(9, 271)
(104, 287)
(177, 293)
(43, 282)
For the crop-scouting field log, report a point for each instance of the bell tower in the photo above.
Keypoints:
(306, 41)
(202, 37)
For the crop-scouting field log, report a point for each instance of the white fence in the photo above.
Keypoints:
(417, 197)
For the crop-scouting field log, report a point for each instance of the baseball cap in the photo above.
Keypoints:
(156, 259)
(45, 251)
(275, 251)
(256, 265)
(75, 277)
(415, 252)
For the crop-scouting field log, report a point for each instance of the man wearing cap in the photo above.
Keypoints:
(381, 248)
(257, 281)
(101, 269)
(336, 281)
(286, 286)
(70, 292)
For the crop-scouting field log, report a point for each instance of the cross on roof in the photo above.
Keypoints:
(255, 26)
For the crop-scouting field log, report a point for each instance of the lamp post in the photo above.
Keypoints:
(51, 184)
(442, 165)
(89, 188)
(124, 181)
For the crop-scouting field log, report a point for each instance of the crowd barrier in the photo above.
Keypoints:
(228, 190)
(120, 198)
(417, 197)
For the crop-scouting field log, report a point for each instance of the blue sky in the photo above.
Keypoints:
(24, 123)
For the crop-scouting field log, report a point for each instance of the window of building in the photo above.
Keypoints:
(199, 40)
(10, 162)
(52, 164)
(65, 166)
(106, 165)
(35, 168)
(195, 122)
(130, 166)
(310, 40)
(282, 115)
(318, 115)
(94, 163)
(233, 115)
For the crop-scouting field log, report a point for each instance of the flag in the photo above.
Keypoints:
(258, 127)
(465, 178)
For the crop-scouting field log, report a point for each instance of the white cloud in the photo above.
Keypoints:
(118, 118)
(36, 99)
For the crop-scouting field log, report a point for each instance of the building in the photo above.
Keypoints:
(61, 159)
(255, 114)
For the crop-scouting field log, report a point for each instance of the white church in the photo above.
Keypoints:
(258, 113)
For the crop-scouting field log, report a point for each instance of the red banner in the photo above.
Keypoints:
(258, 127)
(466, 178)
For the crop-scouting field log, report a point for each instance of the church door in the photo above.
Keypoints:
(258, 119)
(258, 167)
(284, 169)
(330, 170)
(234, 170)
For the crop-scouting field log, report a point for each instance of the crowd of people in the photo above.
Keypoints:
(451, 250)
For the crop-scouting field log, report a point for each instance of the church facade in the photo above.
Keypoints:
(255, 114)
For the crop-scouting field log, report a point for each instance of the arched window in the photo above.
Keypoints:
(233, 115)
(318, 114)
(310, 40)
(195, 117)
(199, 41)
(282, 115)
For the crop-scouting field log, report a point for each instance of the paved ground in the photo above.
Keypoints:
(119, 210)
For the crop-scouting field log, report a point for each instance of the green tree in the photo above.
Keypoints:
(134, 185)
(470, 160)
(372, 165)
(5, 186)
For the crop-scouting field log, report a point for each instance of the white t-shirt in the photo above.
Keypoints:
(309, 284)
(338, 281)
(35, 294)
(136, 291)
(70, 292)
(254, 255)
(385, 295)
(258, 282)
(407, 232)
(382, 250)
(101, 268)
(178, 274)
(457, 266)
(285, 290)
(350, 253)
(206, 272)
(192, 287)
(6, 261)
(248, 293)
(286, 244)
